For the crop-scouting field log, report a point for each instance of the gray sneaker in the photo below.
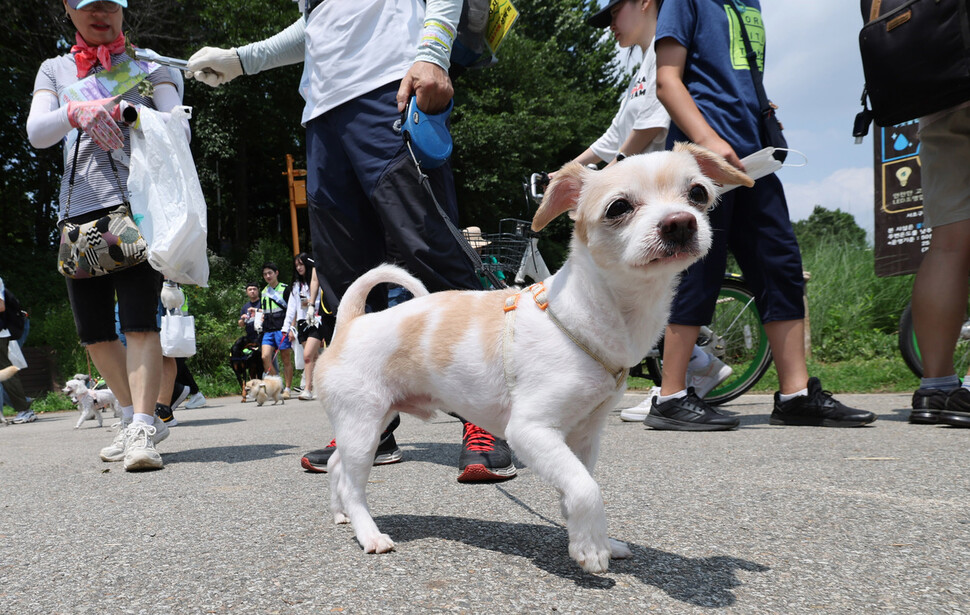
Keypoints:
(25, 416)
(140, 453)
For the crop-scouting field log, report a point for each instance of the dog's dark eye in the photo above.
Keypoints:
(697, 195)
(618, 208)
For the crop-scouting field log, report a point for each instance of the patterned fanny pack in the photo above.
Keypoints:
(110, 243)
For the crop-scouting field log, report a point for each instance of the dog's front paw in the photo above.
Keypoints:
(381, 543)
(340, 518)
(591, 558)
(619, 550)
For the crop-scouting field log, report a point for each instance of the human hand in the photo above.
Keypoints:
(98, 119)
(721, 147)
(214, 66)
(430, 83)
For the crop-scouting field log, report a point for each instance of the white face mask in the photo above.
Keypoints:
(762, 163)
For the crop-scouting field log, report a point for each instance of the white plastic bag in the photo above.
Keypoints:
(15, 355)
(178, 336)
(297, 354)
(166, 197)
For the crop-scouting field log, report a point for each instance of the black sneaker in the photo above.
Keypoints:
(957, 410)
(165, 413)
(818, 408)
(927, 404)
(484, 458)
(688, 413)
(387, 451)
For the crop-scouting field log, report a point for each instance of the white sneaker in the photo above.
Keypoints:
(116, 450)
(196, 401)
(636, 414)
(25, 416)
(140, 453)
(706, 380)
(306, 395)
(286, 393)
(180, 396)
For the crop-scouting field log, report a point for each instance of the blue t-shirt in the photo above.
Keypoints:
(716, 72)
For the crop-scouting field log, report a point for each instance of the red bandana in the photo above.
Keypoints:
(86, 56)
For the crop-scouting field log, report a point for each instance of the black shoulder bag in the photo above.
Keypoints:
(771, 132)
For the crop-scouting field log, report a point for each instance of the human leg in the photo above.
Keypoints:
(12, 386)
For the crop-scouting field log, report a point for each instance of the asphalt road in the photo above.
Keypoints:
(762, 520)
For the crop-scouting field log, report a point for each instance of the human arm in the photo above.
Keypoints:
(638, 141)
(214, 66)
(428, 79)
(291, 310)
(673, 93)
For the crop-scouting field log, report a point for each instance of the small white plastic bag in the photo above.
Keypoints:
(178, 336)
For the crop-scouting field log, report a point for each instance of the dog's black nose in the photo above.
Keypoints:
(678, 228)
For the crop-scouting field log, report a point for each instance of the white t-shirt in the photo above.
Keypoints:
(640, 110)
(356, 46)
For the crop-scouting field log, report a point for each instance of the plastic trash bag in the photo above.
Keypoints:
(166, 197)
(178, 335)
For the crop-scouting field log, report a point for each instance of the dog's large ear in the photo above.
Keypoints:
(561, 194)
(714, 166)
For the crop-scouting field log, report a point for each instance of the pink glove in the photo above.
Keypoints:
(93, 117)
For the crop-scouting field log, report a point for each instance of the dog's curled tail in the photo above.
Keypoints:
(354, 300)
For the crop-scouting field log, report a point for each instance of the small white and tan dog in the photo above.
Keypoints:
(541, 368)
(90, 402)
(270, 387)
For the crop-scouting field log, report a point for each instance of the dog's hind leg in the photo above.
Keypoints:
(544, 449)
(349, 468)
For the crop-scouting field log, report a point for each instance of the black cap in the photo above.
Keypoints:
(603, 18)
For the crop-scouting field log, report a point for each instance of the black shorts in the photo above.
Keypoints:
(93, 303)
(304, 331)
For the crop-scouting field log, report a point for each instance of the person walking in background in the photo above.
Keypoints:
(639, 127)
(704, 80)
(941, 287)
(12, 327)
(364, 194)
(301, 314)
(273, 304)
(89, 130)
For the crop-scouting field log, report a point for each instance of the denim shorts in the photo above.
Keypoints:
(93, 303)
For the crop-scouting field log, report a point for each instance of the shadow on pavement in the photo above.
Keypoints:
(205, 422)
(229, 454)
(706, 581)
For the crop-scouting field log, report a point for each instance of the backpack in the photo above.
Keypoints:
(915, 56)
(13, 315)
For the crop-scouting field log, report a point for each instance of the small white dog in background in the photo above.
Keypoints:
(541, 368)
(90, 401)
(270, 387)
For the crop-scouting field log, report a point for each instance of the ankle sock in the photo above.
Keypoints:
(126, 413)
(945, 383)
(784, 398)
(664, 398)
(147, 419)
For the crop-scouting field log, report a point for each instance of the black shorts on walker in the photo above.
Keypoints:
(304, 331)
(93, 303)
(755, 225)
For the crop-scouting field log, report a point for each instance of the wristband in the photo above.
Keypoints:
(620, 156)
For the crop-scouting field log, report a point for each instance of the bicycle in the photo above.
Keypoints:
(909, 348)
(735, 336)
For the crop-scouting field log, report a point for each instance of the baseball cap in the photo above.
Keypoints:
(77, 4)
(603, 18)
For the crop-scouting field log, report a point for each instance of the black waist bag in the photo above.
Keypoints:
(915, 56)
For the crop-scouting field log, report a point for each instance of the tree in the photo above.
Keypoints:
(827, 226)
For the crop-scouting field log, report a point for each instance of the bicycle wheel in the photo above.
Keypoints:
(735, 336)
(909, 348)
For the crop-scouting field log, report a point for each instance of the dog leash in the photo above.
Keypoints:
(539, 295)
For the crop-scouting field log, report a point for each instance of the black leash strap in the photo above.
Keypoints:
(466, 247)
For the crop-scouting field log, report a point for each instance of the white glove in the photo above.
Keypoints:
(214, 66)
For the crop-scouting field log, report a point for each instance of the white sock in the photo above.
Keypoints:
(784, 398)
(662, 398)
(126, 413)
(147, 419)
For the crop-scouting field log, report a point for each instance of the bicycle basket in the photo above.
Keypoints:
(502, 251)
